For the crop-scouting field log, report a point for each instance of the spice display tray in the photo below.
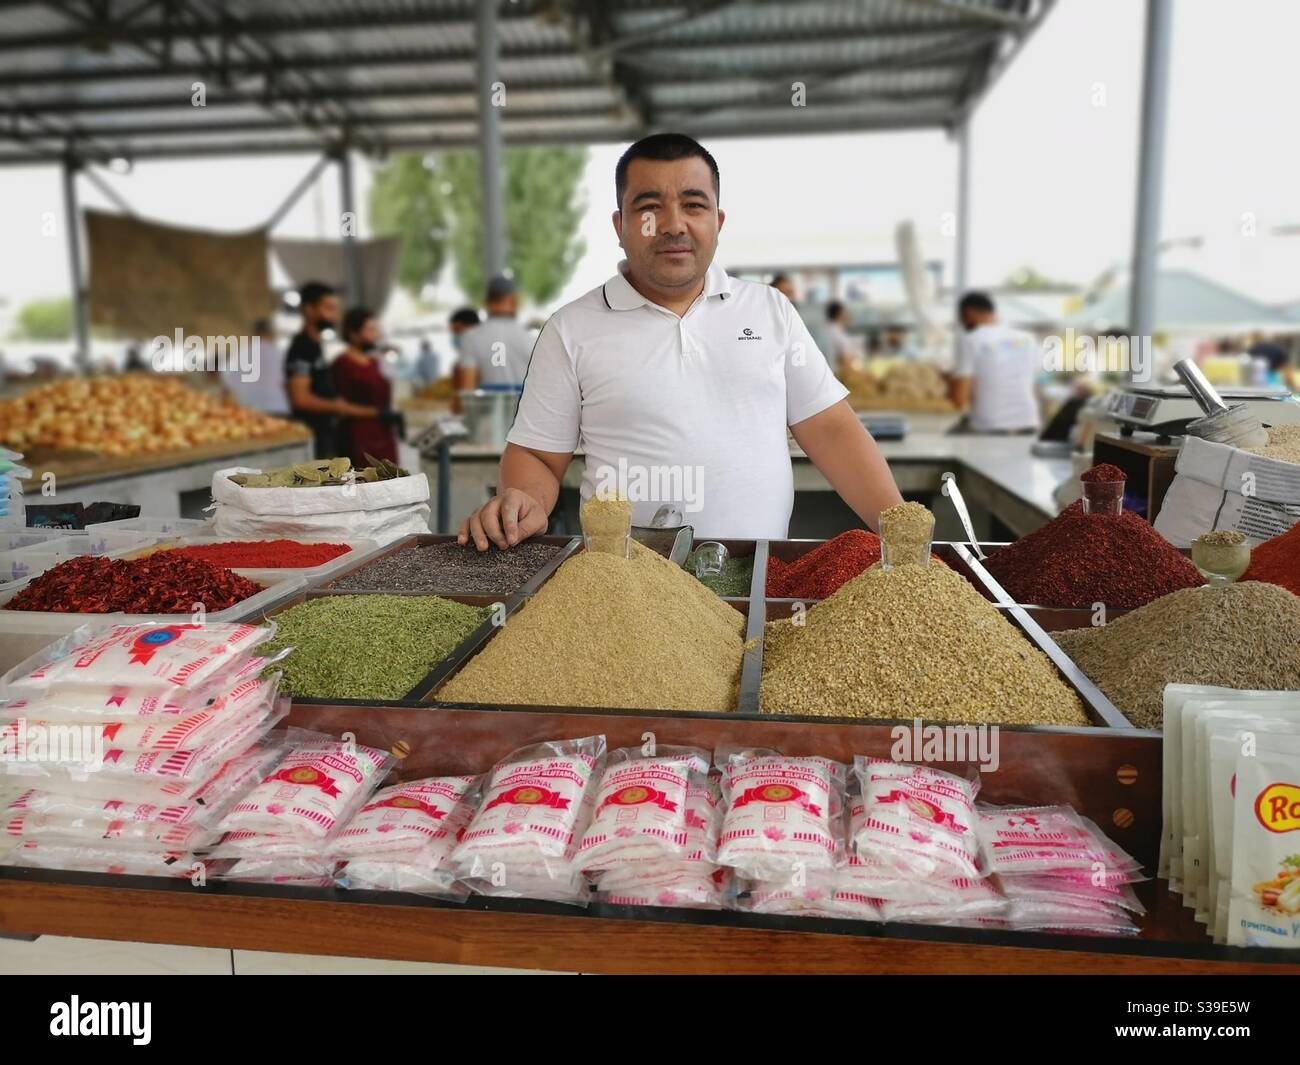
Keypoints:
(24, 632)
(566, 544)
(1112, 777)
(358, 551)
(453, 661)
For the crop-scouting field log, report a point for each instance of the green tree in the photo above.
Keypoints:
(45, 320)
(405, 201)
(543, 212)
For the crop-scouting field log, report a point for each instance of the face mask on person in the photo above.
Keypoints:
(456, 339)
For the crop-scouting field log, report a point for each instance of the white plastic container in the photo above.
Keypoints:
(24, 632)
(12, 539)
(23, 563)
(359, 550)
(155, 528)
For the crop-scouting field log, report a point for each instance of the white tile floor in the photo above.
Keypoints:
(58, 956)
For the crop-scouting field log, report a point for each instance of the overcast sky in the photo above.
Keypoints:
(1054, 165)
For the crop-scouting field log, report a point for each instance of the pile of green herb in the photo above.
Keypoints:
(734, 580)
(368, 646)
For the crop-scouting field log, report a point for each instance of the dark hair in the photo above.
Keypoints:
(355, 318)
(663, 148)
(464, 316)
(778, 278)
(833, 310)
(313, 292)
(979, 302)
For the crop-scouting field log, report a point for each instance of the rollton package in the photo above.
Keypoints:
(537, 802)
(782, 813)
(641, 807)
(1265, 907)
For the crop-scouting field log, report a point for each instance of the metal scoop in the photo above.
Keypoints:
(1222, 424)
(948, 486)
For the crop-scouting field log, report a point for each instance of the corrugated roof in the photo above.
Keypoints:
(381, 74)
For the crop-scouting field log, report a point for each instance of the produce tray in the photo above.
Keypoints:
(1112, 777)
(358, 551)
(566, 544)
(443, 669)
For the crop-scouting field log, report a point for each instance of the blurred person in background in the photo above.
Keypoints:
(1280, 368)
(359, 379)
(783, 285)
(841, 350)
(993, 381)
(497, 351)
(309, 385)
(265, 392)
(426, 363)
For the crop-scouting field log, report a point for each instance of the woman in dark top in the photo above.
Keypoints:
(358, 379)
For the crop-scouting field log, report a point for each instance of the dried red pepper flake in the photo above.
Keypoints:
(156, 584)
(827, 567)
(262, 554)
(1078, 560)
(1103, 471)
(1277, 561)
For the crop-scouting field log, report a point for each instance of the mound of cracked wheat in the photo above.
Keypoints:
(1244, 635)
(635, 633)
(913, 641)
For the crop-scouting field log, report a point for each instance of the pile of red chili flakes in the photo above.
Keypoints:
(263, 554)
(156, 584)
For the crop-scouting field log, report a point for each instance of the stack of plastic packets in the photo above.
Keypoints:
(283, 830)
(653, 837)
(1059, 872)
(12, 512)
(132, 741)
(916, 845)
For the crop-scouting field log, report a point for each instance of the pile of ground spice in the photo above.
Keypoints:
(735, 579)
(906, 529)
(912, 641)
(1283, 444)
(635, 633)
(450, 568)
(819, 573)
(1277, 561)
(1103, 471)
(1242, 635)
(156, 584)
(1078, 559)
(262, 554)
(368, 646)
(606, 523)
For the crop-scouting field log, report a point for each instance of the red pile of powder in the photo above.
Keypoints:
(1277, 561)
(263, 554)
(1081, 559)
(156, 584)
(1103, 471)
(823, 569)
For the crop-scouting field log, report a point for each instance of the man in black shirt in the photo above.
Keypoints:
(308, 381)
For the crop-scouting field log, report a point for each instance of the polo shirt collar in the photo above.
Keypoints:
(621, 296)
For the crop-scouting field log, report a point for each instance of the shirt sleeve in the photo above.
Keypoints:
(810, 386)
(296, 361)
(550, 409)
(965, 364)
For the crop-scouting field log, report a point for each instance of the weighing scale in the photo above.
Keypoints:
(1165, 410)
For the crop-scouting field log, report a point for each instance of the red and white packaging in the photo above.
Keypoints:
(699, 860)
(100, 858)
(297, 872)
(417, 873)
(537, 802)
(163, 658)
(153, 834)
(315, 789)
(1051, 839)
(783, 815)
(972, 897)
(917, 820)
(1074, 888)
(687, 888)
(642, 807)
(406, 817)
(818, 895)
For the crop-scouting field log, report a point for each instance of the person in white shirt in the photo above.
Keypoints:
(497, 351)
(678, 381)
(996, 368)
(842, 350)
(265, 392)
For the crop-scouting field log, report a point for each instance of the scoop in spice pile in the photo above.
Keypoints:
(912, 641)
(368, 646)
(157, 584)
(635, 632)
(1243, 635)
(1078, 559)
(323, 473)
(734, 580)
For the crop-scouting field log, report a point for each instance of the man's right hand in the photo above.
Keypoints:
(505, 520)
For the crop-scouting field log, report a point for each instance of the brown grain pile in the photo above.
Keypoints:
(634, 632)
(906, 530)
(915, 641)
(1244, 635)
(1283, 444)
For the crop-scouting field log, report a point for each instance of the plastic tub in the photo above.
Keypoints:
(11, 539)
(24, 632)
(359, 550)
(24, 563)
(155, 527)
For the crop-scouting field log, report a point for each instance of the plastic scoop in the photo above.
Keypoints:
(710, 558)
(1234, 426)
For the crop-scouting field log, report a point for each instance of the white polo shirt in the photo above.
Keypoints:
(689, 410)
(1003, 364)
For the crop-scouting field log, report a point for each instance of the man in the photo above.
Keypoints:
(841, 349)
(497, 351)
(995, 373)
(672, 369)
(265, 391)
(309, 384)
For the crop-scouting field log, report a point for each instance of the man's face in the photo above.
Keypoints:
(324, 313)
(669, 222)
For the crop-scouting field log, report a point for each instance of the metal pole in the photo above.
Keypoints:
(308, 180)
(72, 221)
(961, 267)
(1151, 161)
(489, 141)
(351, 249)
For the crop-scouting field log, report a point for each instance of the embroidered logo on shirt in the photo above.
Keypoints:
(748, 334)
